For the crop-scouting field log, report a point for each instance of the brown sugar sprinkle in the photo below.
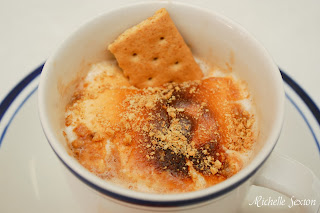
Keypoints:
(177, 128)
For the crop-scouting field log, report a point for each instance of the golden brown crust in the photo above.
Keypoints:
(176, 132)
(153, 53)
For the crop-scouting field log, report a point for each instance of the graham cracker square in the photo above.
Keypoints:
(153, 53)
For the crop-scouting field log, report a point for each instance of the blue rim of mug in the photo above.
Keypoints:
(12, 95)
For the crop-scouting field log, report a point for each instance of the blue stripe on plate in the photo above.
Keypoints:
(14, 114)
(7, 101)
(303, 95)
(306, 120)
(5, 104)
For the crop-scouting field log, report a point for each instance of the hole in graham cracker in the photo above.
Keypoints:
(135, 57)
(155, 58)
(150, 78)
(161, 38)
(176, 66)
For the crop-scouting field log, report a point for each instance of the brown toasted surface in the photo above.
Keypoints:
(164, 139)
(153, 53)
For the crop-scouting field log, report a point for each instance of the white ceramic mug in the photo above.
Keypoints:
(210, 36)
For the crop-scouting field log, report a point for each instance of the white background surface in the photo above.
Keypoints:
(290, 30)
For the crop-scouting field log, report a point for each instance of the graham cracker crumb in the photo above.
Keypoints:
(127, 139)
(180, 129)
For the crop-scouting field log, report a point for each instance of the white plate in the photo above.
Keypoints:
(33, 180)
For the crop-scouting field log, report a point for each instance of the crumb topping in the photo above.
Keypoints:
(176, 132)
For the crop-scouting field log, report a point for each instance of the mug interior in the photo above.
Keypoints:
(209, 35)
